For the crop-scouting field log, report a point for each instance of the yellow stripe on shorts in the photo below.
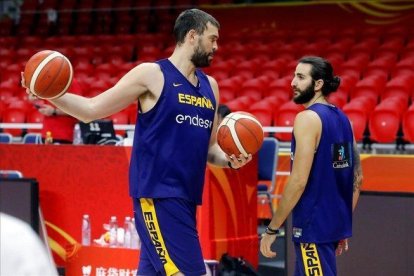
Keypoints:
(151, 221)
(311, 261)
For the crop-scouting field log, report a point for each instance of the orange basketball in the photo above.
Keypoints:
(48, 74)
(240, 133)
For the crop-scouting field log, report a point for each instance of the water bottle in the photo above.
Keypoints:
(49, 138)
(135, 240)
(127, 232)
(77, 137)
(86, 230)
(113, 232)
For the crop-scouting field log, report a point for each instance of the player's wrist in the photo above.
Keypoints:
(271, 231)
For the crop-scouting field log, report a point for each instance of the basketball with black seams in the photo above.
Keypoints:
(48, 74)
(240, 133)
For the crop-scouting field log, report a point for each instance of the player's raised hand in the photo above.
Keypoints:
(32, 96)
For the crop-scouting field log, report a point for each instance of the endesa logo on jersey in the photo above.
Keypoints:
(193, 121)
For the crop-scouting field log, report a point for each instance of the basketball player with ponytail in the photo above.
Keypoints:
(323, 187)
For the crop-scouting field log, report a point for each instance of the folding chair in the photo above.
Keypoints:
(32, 138)
(5, 138)
(268, 158)
(10, 174)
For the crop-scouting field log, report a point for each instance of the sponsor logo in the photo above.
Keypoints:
(297, 232)
(177, 84)
(195, 101)
(107, 271)
(193, 121)
(338, 165)
(153, 231)
(341, 155)
(311, 261)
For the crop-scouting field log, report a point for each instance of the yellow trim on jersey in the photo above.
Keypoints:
(310, 258)
(151, 222)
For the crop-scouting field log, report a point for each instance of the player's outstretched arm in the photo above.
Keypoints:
(135, 83)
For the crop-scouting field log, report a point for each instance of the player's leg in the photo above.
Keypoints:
(315, 259)
(181, 274)
(145, 265)
(171, 236)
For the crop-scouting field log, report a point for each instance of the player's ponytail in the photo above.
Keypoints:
(332, 86)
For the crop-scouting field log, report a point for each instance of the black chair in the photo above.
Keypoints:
(268, 158)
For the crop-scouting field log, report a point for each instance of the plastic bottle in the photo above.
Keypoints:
(127, 232)
(77, 137)
(86, 230)
(135, 240)
(49, 138)
(113, 232)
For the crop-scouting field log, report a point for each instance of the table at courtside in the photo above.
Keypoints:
(88, 179)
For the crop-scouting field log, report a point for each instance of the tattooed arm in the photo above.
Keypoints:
(343, 244)
(357, 176)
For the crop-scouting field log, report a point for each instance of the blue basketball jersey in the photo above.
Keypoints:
(324, 211)
(171, 140)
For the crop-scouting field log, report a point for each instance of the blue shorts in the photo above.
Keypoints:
(168, 232)
(315, 259)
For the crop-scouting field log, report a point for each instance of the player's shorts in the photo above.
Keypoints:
(170, 243)
(315, 259)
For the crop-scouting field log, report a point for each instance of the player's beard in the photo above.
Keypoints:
(200, 57)
(305, 95)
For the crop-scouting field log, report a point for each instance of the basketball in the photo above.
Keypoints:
(240, 133)
(48, 74)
